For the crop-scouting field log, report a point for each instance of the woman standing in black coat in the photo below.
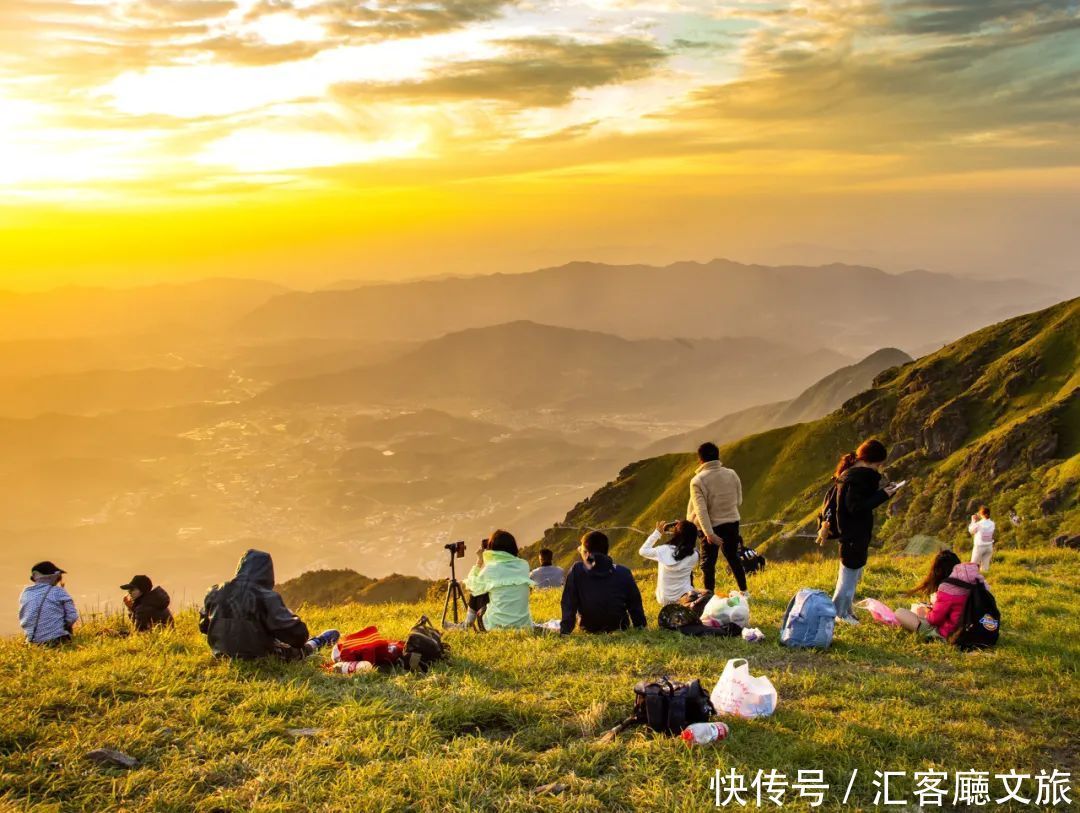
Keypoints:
(858, 478)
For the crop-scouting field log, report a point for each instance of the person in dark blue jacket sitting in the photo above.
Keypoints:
(603, 595)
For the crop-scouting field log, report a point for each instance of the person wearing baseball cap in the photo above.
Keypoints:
(147, 605)
(47, 611)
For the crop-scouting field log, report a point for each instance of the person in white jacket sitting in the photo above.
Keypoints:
(677, 559)
(982, 538)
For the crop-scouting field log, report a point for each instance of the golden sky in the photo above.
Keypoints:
(314, 140)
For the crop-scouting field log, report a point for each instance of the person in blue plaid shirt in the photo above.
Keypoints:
(47, 611)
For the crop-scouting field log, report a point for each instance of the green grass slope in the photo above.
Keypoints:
(993, 417)
(512, 711)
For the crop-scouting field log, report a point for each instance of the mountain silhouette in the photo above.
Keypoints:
(815, 401)
(852, 309)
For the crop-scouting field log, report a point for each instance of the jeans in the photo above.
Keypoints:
(731, 542)
(846, 583)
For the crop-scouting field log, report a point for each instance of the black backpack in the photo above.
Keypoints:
(980, 625)
(678, 615)
(829, 516)
(669, 707)
(752, 561)
(685, 617)
(424, 646)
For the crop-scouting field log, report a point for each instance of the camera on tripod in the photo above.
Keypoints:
(456, 548)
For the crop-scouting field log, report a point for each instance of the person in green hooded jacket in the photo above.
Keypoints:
(505, 577)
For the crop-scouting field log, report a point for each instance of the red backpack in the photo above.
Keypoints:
(368, 645)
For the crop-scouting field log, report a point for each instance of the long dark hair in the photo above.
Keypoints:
(869, 451)
(684, 539)
(503, 541)
(940, 569)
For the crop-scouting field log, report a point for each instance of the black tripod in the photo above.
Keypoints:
(454, 593)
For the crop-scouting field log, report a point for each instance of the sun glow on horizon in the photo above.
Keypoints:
(130, 104)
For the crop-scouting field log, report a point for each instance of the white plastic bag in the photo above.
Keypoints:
(738, 692)
(730, 609)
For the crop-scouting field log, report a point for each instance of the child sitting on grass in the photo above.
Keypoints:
(939, 619)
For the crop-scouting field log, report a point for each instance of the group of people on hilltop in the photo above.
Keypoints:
(242, 618)
(599, 595)
(47, 612)
(246, 618)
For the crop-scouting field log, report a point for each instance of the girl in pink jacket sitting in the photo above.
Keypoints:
(939, 619)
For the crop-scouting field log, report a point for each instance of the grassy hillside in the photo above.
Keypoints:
(513, 712)
(331, 587)
(993, 417)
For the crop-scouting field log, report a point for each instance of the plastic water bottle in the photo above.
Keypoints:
(704, 733)
(352, 667)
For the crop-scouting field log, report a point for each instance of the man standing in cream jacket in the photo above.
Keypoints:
(715, 497)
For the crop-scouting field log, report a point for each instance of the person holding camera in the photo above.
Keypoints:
(477, 604)
(675, 559)
(982, 530)
(502, 576)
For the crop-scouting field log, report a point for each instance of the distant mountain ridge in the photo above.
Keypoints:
(520, 365)
(814, 402)
(992, 418)
(853, 309)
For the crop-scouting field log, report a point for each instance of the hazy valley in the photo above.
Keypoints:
(145, 430)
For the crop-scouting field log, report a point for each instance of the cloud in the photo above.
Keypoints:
(918, 78)
(533, 72)
(966, 16)
(747, 88)
(52, 37)
(348, 22)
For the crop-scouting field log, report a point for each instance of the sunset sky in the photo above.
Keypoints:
(315, 140)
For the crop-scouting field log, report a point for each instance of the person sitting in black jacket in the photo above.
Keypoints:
(245, 618)
(603, 594)
(147, 605)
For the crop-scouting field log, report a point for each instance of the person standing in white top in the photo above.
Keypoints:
(982, 537)
(676, 559)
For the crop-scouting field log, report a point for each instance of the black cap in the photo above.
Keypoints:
(46, 569)
(140, 583)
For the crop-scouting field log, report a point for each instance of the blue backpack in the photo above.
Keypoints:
(808, 620)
